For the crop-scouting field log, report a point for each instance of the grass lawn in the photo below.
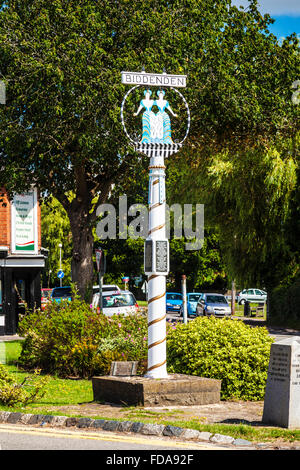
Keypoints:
(64, 392)
(58, 391)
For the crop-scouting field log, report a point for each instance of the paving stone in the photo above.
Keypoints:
(46, 419)
(110, 425)
(4, 416)
(71, 422)
(125, 426)
(222, 439)
(98, 423)
(59, 421)
(172, 431)
(153, 429)
(84, 422)
(137, 427)
(35, 419)
(25, 418)
(204, 436)
(190, 434)
(242, 442)
(14, 417)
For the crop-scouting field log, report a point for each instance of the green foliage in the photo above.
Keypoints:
(62, 60)
(71, 339)
(55, 229)
(284, 304)
(204, 268)
(249, 198)
(11, 392)
(222, 349)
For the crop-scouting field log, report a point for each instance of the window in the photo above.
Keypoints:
(194, 297)
(118, 300)
(250, 292)
(62, 292)
(174, 297)
(216, 299)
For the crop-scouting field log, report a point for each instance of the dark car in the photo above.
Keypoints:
(61, 293)
(213, 304)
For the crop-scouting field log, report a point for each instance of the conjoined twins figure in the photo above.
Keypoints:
(156, 126)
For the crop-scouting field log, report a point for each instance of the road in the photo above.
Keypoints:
(18, 437)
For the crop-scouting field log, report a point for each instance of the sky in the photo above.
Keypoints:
(286, 14)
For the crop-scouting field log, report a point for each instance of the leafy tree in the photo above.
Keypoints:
(55, 230)
(204, 268)
(250, 197)
(61, 61)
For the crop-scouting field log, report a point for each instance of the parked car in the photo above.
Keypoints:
(191, 303)
(213, 304)
(61, 293)
(122, 302)
(173, 302)
(252, 295)
(45, 297)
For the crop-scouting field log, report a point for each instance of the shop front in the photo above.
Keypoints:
(21, 258)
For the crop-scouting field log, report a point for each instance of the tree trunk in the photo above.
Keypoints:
(82, 256)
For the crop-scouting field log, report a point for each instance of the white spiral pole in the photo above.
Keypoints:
(156, 246)
(157, 353)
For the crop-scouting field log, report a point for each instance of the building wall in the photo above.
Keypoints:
(5, 227)
(18, 269)
(5, 221)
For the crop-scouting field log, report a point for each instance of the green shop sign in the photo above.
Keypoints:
(24, 232)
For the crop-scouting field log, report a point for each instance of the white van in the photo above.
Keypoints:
(252, 295)
(106, 288)
(121, 302)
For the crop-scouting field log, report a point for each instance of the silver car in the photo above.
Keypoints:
(213, 304)
(252, 295)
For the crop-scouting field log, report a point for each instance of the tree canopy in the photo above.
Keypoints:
(61, 61)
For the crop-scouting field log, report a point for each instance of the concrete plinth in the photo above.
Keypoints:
(175, 390)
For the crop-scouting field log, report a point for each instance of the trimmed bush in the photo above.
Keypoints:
(12, 393)
(222, 349)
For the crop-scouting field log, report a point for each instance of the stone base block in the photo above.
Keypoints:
(175, 390)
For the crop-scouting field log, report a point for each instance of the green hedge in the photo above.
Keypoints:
(284, 304)
(222, 349)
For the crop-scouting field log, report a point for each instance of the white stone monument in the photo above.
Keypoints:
(282, 398)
